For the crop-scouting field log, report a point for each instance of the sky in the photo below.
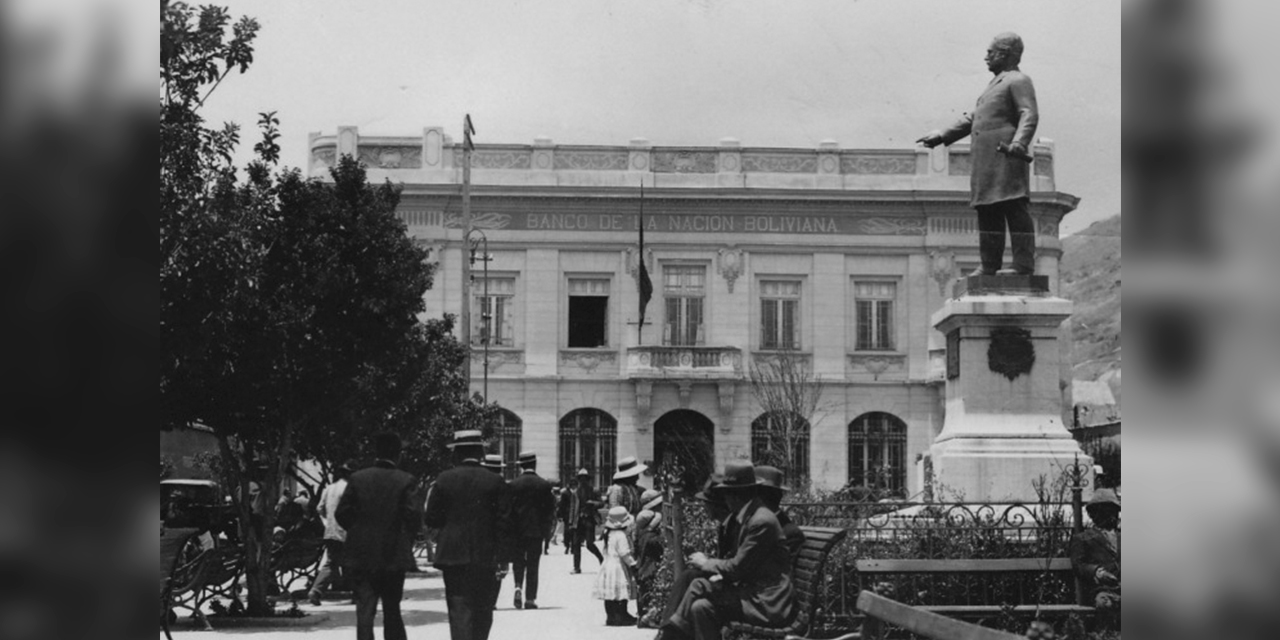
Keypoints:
(865, 73)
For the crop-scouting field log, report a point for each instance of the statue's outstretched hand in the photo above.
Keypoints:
(931, 139)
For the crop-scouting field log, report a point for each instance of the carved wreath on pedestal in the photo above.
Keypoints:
(1011, 353)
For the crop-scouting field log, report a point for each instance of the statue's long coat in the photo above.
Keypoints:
(1006, 112)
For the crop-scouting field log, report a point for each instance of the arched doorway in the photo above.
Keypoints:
(683, 448)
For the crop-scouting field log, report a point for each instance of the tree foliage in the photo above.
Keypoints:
(289, 307)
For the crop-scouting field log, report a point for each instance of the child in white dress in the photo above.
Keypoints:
(614, 583)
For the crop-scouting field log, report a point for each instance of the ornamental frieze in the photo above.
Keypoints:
(878, 165)
(591, 160)
(490, 159)
(391, 157)
(323, 158)
(1044, 166)
(588, 360)
(497, 358)
(779, 163)
(960, 165)
(684, 162)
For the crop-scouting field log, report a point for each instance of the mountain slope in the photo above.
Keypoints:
(1090, 278)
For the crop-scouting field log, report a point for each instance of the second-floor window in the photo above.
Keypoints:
(588, 312)
(874, 308)
(491, 312)
(779, 314)
(684, 291)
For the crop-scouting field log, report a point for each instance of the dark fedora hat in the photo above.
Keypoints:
(527, 457)
(771, 477)
(708, 493)
(739, 475)
(467, 438)
(492, 461)
(1103, 497)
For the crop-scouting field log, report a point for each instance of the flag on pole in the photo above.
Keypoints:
(646, 285)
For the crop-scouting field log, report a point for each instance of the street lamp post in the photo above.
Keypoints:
(486, 315)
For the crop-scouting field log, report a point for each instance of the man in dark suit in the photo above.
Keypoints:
(1002, 128)
(582, 517)
(1095, 555)
(381, 512)
(533, 509)
(469, 505)
(771, 491)
(753, 584)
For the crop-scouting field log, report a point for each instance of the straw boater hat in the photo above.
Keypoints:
(467, 438)
(739, 475)
(583, 473)
(619, 518)
(771, 477)
(492, 461)
(651, 499)
(527, 458)
(628, 467)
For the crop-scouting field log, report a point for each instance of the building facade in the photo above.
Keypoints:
(835, 258)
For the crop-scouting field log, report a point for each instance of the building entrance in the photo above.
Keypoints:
(683, 448)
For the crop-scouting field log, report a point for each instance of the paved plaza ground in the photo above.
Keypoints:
(566, 611)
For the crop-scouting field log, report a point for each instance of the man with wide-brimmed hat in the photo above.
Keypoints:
(752, 582)
(470, 505)
(581, 515)
(534, 516)
(718, 511)
(771, 491)
(1095, 553)
(624, 490)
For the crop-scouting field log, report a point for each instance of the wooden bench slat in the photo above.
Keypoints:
(993, 565)
(925, 623)
(982, 608)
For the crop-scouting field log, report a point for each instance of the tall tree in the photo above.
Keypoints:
(289, 307)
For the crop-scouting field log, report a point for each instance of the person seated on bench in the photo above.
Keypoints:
(771, 491)
(718, 511)
(752, 583)
(1095, 553)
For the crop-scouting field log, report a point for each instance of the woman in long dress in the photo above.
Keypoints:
(614, 583)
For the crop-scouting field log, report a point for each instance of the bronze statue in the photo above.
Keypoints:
(1001, 127)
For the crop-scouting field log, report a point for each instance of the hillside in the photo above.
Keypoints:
(1090, 278)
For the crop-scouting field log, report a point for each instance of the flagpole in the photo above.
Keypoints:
(640, 281)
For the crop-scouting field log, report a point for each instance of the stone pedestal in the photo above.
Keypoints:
(1003, 426)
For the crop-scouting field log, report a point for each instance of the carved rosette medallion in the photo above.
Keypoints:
(729, 264)
(1010, 353)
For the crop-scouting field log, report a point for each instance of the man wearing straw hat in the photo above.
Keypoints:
(753, 584)
(533, 509)
(469, 504)
(581, 518)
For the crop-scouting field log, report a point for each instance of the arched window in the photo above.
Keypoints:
(507, 434)
(878, 452)
(588, 440)
(781, 439)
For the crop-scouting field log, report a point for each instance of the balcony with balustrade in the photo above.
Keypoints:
(684, 363)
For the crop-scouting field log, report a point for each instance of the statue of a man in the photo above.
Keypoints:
(1002, 127)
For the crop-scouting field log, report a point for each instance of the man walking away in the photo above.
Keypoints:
(583, 516)
(334, 534)
(381, 512)
(468, 505)
(534, 513)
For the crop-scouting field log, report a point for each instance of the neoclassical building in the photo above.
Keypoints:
(834, 256)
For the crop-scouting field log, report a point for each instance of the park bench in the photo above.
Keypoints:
(296, 559)
(806, 574)
(917, 620)
(212, 573)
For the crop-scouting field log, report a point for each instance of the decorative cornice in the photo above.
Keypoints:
(588, 360)
(877, 364)
(497, 357)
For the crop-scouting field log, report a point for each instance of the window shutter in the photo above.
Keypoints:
(768, 324)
